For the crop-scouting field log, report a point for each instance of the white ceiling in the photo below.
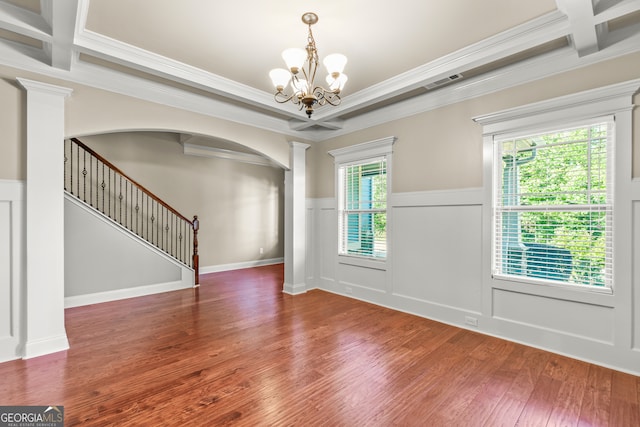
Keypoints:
(216, 55)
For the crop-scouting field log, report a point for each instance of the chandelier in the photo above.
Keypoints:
(302, 65)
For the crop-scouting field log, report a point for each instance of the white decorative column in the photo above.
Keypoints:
(44, 330)
(295, 211)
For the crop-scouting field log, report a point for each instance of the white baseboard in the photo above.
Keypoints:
(45, 346)
(240, 265)
(118, 294)
(297, 289)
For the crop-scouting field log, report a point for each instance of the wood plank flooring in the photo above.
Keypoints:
(240, 352)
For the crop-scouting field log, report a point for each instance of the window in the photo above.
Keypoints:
(363, 174)
(551, 171)
(362, 207)
(553, 204)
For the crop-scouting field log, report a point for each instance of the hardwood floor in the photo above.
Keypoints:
(238, 351)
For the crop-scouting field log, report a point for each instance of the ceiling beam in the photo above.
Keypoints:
(584, 33)
(612, 9)
(298, 125)
(24, 22)
(61, 16)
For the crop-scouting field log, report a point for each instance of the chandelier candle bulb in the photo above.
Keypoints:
(335, 63)
(294, 58)
(280, 78)
(302, 65)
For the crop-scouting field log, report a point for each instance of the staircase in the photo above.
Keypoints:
(95, 181)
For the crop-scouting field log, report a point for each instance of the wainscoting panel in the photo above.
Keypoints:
(438, 268)
(5, 269)
(636, 275)
(11, 268)
(588, 321)
(310, 250)
(437, 254)
(352, 276)
(326, 236)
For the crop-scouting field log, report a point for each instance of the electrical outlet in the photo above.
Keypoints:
(261, 251)
(348, 290)
(471, 321)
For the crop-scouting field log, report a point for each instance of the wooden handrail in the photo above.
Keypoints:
(194, 224)
(133, 181)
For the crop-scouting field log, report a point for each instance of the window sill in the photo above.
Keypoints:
(357, 261)
(576, 293)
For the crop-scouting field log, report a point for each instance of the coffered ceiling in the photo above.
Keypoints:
(405, 57)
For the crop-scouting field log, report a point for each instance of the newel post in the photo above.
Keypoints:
(196, 257)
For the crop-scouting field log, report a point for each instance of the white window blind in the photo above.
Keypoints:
(553, 201)
(362, 208)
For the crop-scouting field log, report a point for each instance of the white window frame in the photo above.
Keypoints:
(361, 153)
(616, 101)
(497, 207)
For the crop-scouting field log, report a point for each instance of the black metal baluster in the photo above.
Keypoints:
(120, 201)
(64, 152)
(109, 193)
(97, 184)
(137, 210)
(90, 176)
(103, 185)
(71, 169)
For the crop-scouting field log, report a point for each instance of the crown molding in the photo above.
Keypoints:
(546, 28)
(326, 123)
(35, 60)
(112, 50)
(543, 66)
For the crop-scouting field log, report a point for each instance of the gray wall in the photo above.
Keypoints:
(240, 206)
(102, 257)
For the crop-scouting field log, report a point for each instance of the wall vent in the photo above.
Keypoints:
(443, 81)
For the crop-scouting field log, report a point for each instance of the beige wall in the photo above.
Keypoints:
(240, 206)
(442, 149)
(12, 125)
(91, 111)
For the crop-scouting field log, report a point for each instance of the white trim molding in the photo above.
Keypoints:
(12, 273)
(592, 326)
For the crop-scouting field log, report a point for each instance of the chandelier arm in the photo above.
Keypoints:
(281, 98)
(326, 96)
(333, 100)
(310, 95)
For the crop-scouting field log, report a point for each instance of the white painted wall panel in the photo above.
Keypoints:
(327, 236)
(439, 269)
(437, 254)
(309, 249)
(361, 277)
(5, 270)
(636, 274)
(11, 268)
(590, 321)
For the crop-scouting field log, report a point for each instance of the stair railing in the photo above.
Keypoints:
(91, 178)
